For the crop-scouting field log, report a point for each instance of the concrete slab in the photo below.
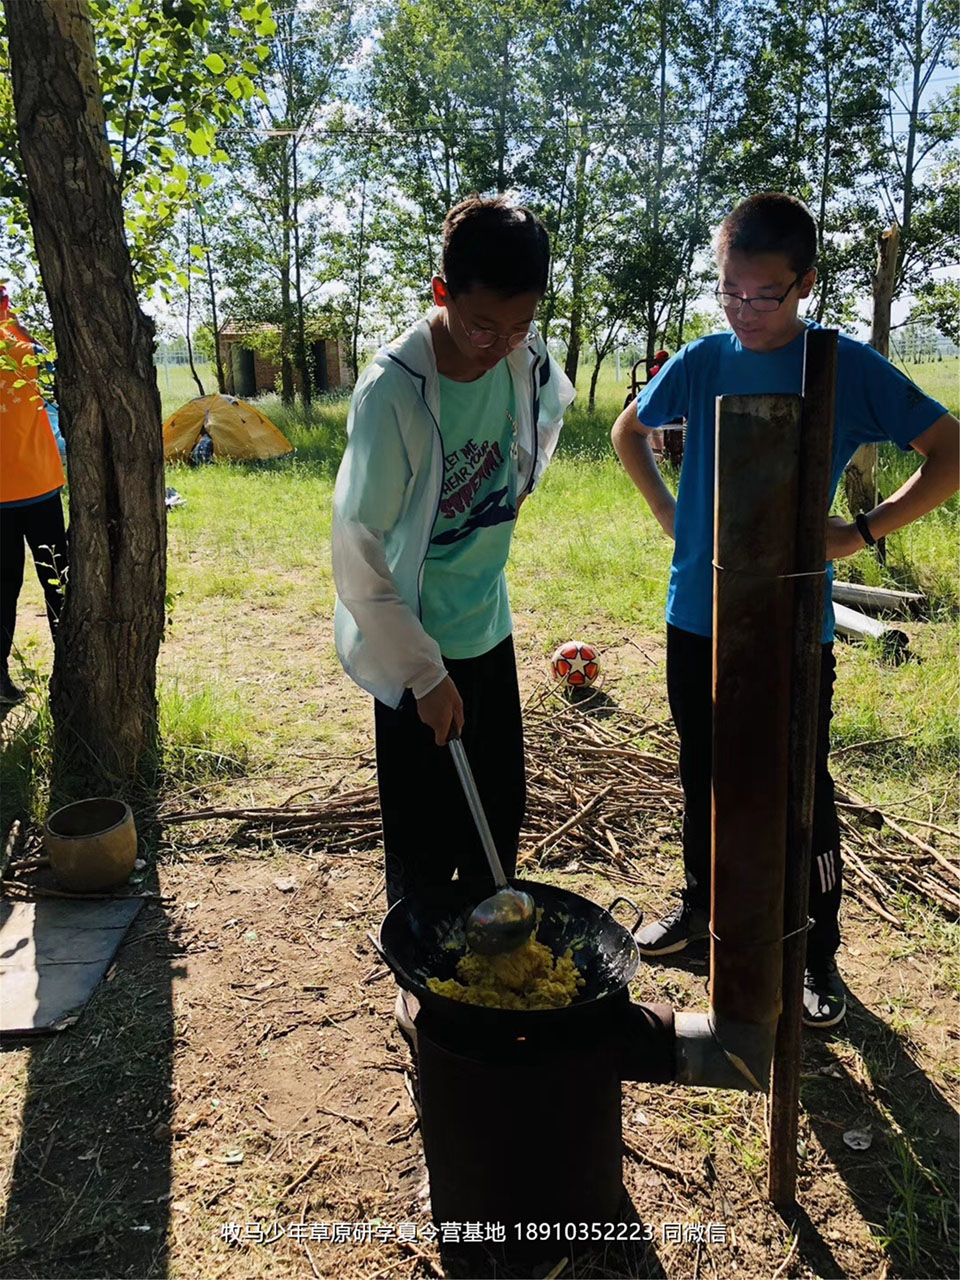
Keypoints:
(52, 955)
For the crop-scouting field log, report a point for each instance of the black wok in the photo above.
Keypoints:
(422, 937)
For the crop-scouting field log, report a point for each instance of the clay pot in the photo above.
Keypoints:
(92, 844)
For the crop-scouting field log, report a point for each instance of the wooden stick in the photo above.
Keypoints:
(662, 1166)
(813, 497)
(921, 844)
(871, 742)
(954, 834)
(572, 822)
(875, 906)
(30, 891)
(298, 1181)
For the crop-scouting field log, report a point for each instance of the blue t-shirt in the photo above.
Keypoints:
(874, 403)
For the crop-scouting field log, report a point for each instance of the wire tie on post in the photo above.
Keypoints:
(771, 942)
(770, 577)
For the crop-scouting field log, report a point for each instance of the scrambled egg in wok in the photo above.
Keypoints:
(530, 977)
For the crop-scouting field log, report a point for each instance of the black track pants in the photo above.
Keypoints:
(428, 833)
(690, 690)
(40, 525)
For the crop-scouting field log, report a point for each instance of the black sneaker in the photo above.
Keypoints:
(824, 1000)
(9, 693)
(683, 925)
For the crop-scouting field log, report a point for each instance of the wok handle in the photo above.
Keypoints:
(375, 942)
(633, 906)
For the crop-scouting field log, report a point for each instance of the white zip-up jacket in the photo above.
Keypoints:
(387, 495)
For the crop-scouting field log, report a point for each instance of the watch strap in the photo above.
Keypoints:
(860, 520)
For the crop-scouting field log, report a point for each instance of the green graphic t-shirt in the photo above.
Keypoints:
(464, 591)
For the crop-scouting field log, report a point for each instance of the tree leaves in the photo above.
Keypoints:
(631, 127)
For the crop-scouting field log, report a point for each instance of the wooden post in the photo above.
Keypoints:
(884, 281)
(758, 446)
(813, 497)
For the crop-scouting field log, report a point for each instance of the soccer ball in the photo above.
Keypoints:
(575, 664)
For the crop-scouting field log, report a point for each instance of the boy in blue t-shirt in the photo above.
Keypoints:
(766, 252)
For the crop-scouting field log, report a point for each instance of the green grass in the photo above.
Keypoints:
(587, 548)
(25, 760)
(918, 1208)
(251, 589)
(177, 386)
(939, 378)
(206, 732)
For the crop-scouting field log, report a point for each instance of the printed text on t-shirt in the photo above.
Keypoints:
(464, 472)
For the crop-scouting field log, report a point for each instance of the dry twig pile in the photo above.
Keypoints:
(602, 792)
(602, 789)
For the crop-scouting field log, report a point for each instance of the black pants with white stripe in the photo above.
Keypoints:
(428, 833)
(689, 688)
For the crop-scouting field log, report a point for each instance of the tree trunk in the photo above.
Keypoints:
(823, 283)
(361, 262)
(287, 389)
(305, 389)
(502, 121)
(103, 693)
(917, 84)
(884, 280)
(221, 380)
(860, 478)
(702, 167)
(193, 367)
(598, 361)
(579, 259)
(286, 312)
(655, 200)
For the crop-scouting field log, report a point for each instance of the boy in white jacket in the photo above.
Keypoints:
(450, 428)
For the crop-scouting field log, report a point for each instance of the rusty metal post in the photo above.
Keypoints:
(819, 381)
(758, 448)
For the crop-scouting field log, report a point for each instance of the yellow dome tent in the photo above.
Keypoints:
(237, 430)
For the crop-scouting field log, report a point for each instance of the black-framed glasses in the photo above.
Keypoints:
(733, 301)
(483, 339)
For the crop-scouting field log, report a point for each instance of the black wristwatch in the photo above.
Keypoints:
(864, 530)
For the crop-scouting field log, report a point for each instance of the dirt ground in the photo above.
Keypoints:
(236, 1099)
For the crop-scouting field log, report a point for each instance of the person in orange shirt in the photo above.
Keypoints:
(31, 477)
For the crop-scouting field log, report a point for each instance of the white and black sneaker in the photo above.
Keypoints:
(405, 1011)
(675, 931)
(824, 999)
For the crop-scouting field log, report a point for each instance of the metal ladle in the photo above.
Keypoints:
(508, 917)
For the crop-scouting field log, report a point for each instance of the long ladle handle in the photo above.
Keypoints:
(462, 766)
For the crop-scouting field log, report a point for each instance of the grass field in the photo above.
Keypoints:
(587, 559)
(252, 542)
(189, 1044)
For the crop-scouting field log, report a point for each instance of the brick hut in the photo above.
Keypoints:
(248, 373)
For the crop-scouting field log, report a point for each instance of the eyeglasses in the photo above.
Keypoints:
(486, 338)
(733, 301)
